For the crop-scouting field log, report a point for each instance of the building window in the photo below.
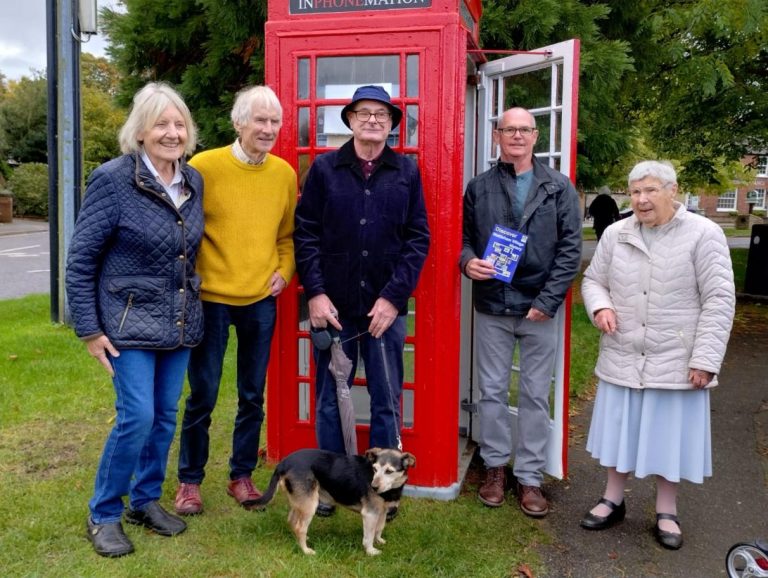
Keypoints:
(758, 195)
(762, 166)
(727, 201)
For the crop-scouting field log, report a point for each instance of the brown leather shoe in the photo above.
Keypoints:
(244, 492)
(532, 501)
(491, 493)
(188, 502)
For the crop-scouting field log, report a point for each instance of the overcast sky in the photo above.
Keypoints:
(23, 37)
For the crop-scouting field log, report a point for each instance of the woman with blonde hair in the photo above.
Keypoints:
(134, 299)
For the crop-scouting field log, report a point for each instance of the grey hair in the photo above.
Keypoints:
(662, 170)
(148, 104)
(247, 98)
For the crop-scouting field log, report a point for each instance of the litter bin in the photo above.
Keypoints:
(756, 278)
(6, 209)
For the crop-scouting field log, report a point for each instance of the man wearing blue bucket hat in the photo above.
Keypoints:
(361, 239)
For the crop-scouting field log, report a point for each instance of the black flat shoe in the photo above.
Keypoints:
(669, 540)
(109, 539)
(156, 519)
(592, 522)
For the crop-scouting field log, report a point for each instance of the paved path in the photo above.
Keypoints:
(731, 506)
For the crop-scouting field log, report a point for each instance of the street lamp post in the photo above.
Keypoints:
(67, 21)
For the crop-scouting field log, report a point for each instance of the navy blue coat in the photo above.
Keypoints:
(552, 256)
(358, 240)
(131, 262)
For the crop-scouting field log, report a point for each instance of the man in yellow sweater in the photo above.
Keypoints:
(245, 261)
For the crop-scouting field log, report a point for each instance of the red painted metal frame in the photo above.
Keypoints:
(440, 36)
(569, 301)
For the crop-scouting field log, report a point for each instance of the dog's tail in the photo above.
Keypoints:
(269, 493)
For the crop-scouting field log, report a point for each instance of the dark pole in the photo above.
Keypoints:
(53, 156)
(64, 141)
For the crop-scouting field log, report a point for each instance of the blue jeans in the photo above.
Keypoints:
(148, 384)
(383, 362)
(254, 324)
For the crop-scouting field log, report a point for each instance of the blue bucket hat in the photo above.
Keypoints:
(371, 92)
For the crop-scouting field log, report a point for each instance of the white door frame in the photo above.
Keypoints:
(559, 116)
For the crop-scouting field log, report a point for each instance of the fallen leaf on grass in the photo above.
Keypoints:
(524, 570)
(13, 357)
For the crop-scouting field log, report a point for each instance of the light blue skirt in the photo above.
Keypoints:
(652, 432)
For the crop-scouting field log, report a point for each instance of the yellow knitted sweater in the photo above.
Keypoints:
(248, 212)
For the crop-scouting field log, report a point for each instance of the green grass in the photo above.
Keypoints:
(56, 408)
(739, 260)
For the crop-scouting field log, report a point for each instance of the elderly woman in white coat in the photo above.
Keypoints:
(660, 289)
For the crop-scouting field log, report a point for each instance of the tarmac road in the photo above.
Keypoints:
(24, 259)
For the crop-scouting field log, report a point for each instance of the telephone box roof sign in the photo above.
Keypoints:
(324, 6)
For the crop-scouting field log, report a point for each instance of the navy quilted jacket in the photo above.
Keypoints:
(131, 263)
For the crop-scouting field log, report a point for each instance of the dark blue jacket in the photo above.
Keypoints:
(131, 263)
(551, 219)
(358, 240)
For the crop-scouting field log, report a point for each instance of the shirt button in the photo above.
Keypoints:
(367, 191)
(179, 223)
(362, 221)
(181, 257)
(181, 290)
(178, 324)
(362, 283)
(365, 253)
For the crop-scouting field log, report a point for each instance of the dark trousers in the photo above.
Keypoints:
(383, 362)
(254, 325)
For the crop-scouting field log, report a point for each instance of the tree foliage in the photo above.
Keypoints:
(29, 184)
(23, 120)
(604, 135)
(102, 120)
(698, 93)
(683, 80)
(208, 49)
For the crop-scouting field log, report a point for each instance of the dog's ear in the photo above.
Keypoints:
(372, 454)
(409, 460)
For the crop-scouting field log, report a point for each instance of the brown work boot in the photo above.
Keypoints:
(491, 493)
(188, 502)
(532, 501)
(244, 492)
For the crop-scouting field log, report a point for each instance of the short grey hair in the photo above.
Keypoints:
(662, 170)
(249, 97)
(148, 104)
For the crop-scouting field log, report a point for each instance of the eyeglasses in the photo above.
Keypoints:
(511, 130)
(365, 115)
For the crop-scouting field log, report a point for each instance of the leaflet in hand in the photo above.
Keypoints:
(504, 249)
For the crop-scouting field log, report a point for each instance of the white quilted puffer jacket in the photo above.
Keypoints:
(674, 304)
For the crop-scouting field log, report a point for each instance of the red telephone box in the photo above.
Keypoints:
(424, 53)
